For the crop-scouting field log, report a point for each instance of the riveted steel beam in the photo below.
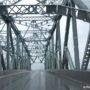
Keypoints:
(75, 39)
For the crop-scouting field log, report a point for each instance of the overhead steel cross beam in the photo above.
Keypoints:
(39, 9)
(47, 9)
(30, 18)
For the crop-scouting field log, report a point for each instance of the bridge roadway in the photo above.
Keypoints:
(44, 80)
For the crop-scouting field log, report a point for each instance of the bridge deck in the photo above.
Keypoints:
(44, 80)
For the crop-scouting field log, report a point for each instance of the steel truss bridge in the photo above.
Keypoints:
(32, 34)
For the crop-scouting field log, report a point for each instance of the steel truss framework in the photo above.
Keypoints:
(10, 2)
(37, 43)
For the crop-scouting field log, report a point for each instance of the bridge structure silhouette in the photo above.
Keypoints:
(32, 34)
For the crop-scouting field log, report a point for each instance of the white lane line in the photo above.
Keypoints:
(13, 74)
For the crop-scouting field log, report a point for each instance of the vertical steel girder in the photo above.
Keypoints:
(65, 61)
(75, 39)
(8, 45)
(0, 56)
(67, 30)
(49, 60)
(52, 54)
(49, 57)
(13, 51)
(45, 63)
(52, 31)
(58, 45)
(69, 58)
(17, 51)
(2, 62)
(12, 46)
(21, 62)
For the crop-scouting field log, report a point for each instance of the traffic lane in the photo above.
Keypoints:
(40, 80)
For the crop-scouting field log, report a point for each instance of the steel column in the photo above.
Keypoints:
(65, 61)
(69, 58)
(0, 57)
(8, 44)
(75, 39)
(50, 57)
(2, 63)
(21, 62)
(49, 60)
(52, 48)
(17, 51)
(58, 45)
(13, 51)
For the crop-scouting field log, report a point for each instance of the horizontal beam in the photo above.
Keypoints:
(45, 9)
(29, 31)
(35, 40)
(38, 56)
(30, 18)
(35, 9)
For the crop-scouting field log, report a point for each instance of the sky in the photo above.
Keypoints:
(28, 2)
(86, 2)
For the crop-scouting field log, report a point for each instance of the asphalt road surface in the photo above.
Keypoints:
(42, 81)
